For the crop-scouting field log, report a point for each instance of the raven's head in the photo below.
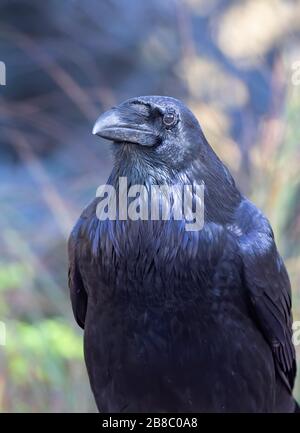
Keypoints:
(159, 140)
(157, 126)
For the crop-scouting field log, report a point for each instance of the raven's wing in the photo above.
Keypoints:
(77, 291)
(268, 286)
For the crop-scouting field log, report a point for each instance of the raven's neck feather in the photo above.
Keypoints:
(221, 197)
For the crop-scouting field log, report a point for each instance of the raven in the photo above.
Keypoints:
(177, 320)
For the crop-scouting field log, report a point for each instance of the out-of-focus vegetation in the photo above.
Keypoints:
(231, 61)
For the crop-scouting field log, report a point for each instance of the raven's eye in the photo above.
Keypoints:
(170, 119)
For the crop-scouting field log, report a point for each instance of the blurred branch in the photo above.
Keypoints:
(50, 195)
(56, 72)
(43, 122)
(20, 247)
(188, 49)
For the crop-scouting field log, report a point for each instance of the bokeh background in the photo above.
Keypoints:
(232, 62)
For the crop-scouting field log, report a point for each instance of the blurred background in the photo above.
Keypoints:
(233, 62)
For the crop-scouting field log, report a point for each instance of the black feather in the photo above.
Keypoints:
(178, 321)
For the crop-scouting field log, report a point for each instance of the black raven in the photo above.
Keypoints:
(177, 320)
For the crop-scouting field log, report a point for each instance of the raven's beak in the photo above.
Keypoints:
(119, 125)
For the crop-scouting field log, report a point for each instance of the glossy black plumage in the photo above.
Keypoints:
(178, 321)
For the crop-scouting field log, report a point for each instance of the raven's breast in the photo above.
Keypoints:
(168, 328)
(185, 358)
